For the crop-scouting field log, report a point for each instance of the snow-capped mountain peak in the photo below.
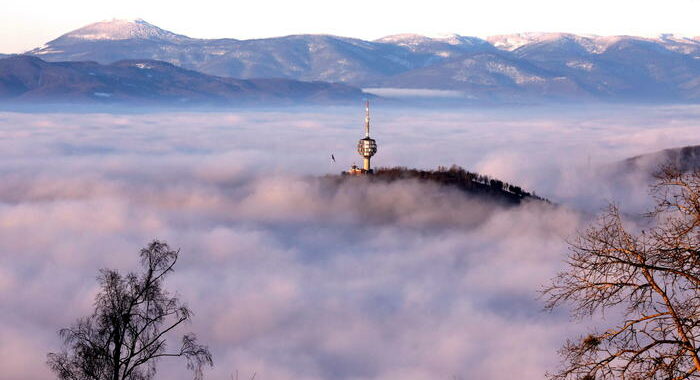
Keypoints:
(409, 39)
(121, 30)
(511, 42)
(456, 39)
(405, 39)
(592, 43)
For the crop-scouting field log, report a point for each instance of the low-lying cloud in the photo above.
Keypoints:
(415, 93)
(290, 275)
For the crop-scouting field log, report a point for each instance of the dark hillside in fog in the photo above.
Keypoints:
(470, 183)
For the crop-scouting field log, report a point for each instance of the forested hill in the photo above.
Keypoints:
(27, 79)
(686, 159)
(469, 182)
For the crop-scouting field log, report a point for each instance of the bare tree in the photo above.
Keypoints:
(651, 277)
(126, 335)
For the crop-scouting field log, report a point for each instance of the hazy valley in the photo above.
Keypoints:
(493, 154)
(272, 259)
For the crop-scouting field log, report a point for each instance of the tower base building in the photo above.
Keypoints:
(355, 170)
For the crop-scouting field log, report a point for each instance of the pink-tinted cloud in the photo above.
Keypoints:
(292, 277)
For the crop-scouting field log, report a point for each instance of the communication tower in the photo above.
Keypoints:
(366, 147)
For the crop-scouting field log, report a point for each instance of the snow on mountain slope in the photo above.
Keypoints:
(405, 39)
(546, 64)
(681, 44)
(490, 76)
(436, 49)
(510, 42)
(122, 30)
(416, 40)
(591, 43)
(304, 57)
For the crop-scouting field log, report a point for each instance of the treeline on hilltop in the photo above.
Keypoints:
(456, 176)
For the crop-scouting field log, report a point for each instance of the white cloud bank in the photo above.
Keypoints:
(291, 278)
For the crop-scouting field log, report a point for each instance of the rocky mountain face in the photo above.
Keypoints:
(30, 79)
(556, 66)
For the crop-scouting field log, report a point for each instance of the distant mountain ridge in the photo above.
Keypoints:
(525, 66)
(685, 159)
(148, 82)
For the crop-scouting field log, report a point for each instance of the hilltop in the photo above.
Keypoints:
(470, 183)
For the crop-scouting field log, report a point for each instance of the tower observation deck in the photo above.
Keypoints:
(366, 147)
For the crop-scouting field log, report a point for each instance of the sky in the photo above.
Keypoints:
(294, 277)
(25, 25)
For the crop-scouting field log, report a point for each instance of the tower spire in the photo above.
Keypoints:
(367, 118)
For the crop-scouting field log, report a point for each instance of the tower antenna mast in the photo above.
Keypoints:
(367, 146)
(367, 118)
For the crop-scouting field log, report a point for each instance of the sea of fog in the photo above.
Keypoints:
(290, 281)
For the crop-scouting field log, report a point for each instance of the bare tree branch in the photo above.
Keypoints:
(126, 335)
(654, 275)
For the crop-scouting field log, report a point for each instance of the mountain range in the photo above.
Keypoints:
(554, 66)
(29, 79)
